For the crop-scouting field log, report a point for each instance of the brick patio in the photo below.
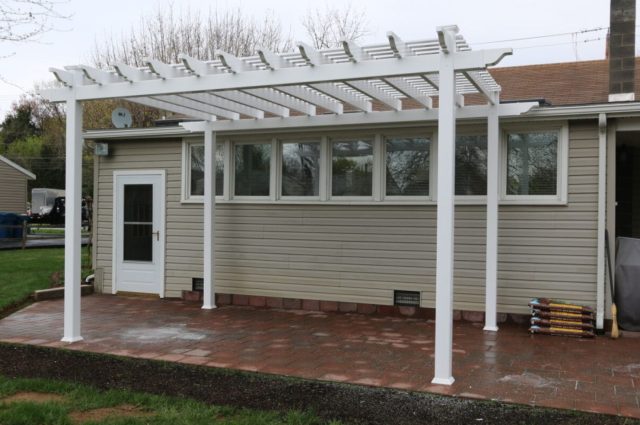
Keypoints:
(598, 375)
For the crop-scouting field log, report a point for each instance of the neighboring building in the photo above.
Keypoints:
(13, 186)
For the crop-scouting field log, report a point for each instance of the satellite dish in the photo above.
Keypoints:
(121, 118)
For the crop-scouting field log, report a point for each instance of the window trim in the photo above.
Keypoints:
(562, 166)
(430, 136)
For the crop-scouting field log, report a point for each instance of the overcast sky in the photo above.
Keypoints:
(480, 21)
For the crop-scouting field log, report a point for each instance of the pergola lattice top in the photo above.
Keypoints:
(380, 74)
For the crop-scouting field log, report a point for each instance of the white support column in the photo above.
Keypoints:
(491, 284)
(73, 222)
(209, 295)
(445, 220)
(602, 219)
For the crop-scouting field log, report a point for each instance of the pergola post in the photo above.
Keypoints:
(209, 293)
(73, 222)
(445, 208)
(491, 284)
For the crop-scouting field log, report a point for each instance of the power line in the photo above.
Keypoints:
(536, 37)
(589, 40)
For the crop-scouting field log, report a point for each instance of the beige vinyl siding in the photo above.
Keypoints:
(362, 253)
(13, 190)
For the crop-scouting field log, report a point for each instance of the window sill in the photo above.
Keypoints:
(369, 202)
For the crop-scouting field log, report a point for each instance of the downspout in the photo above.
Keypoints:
(602, 214)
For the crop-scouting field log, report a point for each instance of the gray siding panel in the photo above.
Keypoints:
(362, 253)
(13, 190)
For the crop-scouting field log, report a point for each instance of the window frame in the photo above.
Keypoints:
(375, 171)
(231, 186)
(320, 140)
(472, 199)
(562, 166)
(378, 137)
(185, 185)
(426, 134)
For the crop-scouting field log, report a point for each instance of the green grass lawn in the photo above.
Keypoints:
(47, 230)
(24, 271)
(77, 403)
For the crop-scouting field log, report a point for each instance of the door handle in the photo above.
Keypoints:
(157, 233)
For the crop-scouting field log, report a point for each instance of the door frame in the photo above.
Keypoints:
(162, 226)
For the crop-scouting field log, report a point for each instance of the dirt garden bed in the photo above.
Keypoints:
(349, 403)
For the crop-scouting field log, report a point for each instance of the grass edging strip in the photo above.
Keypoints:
(349, 403)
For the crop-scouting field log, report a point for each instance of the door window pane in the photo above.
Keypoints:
(407, 166)
(138, 222)
(197, 169)
(301, 169)
(532, 163)
(352, 168)
(471, 165)
(253, 166)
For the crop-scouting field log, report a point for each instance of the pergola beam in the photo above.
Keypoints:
(149, 85)
(398, 47)
(283, 99)
(410, 91)
(254, 102)
(354, 119)
(330, 89)
(155, 103)
(197, 105)
(226, 104)
(480, 85)
(303, 93)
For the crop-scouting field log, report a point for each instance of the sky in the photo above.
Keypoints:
(482, 22)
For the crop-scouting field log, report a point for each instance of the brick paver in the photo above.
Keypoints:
(599, 375)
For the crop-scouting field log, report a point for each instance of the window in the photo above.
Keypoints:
(193, 183)
(252, 169)
(532, 163)
(407, 166)
(300, 169)
(352, 168)
(471, 165)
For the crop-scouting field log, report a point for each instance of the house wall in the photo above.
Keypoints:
(362, 253)
(13, 190)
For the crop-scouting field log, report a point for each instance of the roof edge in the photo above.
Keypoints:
(15, 166)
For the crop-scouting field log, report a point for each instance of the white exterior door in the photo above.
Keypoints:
(139, 232)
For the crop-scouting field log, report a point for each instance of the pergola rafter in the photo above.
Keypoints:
(308, 89)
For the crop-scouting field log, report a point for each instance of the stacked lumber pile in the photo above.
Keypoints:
(552, 317)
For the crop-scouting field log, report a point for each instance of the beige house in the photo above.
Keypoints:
(13, 187)
(406, 175)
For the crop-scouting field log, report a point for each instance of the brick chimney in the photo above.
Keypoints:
(622, 51)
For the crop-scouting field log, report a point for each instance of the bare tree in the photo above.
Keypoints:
(25, 20)
(328, 27)
(167, 32)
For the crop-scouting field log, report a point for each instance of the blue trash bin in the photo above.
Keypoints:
(6, 220)
(11, 225)
(20, 219)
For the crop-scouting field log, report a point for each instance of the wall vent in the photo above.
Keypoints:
(197, 284)
(406, 298)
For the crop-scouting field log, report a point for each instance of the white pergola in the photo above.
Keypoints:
(351, 85)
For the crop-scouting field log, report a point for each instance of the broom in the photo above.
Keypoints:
(615, 332)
